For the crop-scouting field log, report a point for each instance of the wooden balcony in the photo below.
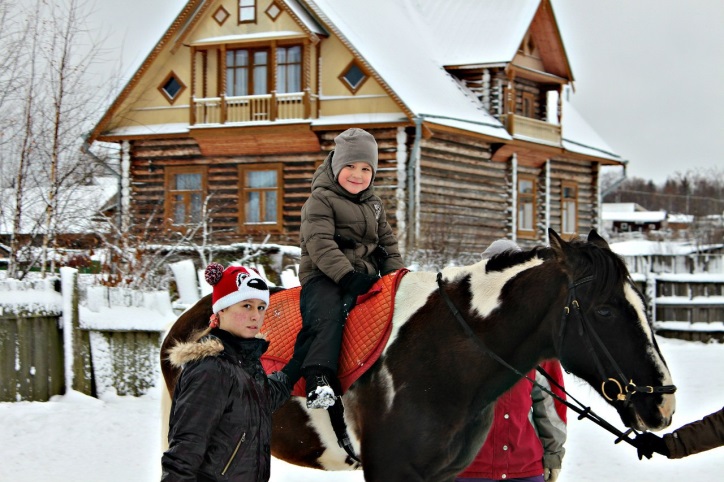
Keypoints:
(533, 129)
(265, 108)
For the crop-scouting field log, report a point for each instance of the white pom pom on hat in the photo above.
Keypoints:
(234, 284)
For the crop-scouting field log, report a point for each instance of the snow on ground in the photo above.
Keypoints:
(78, 438)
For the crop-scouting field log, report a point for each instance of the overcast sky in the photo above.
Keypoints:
(649, 74)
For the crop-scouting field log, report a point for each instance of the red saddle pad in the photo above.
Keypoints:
(366, 332)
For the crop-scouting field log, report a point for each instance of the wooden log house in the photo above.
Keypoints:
(240, 101)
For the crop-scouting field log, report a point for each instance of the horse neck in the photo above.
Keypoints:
(522, 332)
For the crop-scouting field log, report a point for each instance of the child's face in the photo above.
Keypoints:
(355, 177)
(244, 318)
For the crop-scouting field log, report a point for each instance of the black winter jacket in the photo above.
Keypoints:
(220, 423)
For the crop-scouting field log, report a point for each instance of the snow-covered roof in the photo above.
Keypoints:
(621, 207)
(644, 247)
(634, 217)
(578, 136)
(409, 69)
(246, 37)
(467, 32)
(76, 207)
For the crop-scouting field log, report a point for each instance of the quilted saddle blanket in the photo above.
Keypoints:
(366, 332)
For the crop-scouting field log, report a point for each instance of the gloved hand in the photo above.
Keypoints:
(551, 475)
(356, 283)
(647, 443)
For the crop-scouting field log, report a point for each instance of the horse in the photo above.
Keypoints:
(423, 409)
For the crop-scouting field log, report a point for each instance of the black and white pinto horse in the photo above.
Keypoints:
(423, 410)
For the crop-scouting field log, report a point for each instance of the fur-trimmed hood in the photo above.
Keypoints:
(216, 343)
(185, 352)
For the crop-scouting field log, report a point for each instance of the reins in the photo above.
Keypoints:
(582, 410)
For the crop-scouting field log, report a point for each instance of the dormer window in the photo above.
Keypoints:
(353, 76)
(171, 87)
(247, 11)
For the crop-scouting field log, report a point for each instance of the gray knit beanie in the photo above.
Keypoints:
(354, 145)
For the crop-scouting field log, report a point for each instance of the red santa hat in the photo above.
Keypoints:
(234, 284)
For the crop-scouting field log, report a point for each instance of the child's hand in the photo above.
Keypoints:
(356, 283)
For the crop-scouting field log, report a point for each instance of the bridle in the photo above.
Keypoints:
(585, 329)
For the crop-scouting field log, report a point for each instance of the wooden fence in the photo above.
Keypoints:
(685, 294)
(44, 351)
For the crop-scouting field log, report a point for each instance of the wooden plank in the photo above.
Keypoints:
(8, 349)
(40, 376)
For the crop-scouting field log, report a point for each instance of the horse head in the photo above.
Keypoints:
(606, 338)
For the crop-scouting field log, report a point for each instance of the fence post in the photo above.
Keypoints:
(78, 370)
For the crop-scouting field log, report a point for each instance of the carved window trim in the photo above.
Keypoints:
(167, 95)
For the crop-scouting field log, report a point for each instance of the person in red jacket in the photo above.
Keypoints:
(525, 442)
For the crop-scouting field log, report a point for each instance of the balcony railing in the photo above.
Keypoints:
(252, 108)
(535, 129)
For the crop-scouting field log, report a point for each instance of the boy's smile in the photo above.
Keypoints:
(355, 177)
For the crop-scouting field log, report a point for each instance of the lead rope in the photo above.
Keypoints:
(583, 411)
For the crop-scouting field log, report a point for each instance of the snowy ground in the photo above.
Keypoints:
(78, 438)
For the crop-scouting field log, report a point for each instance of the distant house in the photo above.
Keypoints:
(240, 101)
(82, 213)
(631, 218)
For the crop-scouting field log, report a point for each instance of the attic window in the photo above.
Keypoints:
(247, 11)
(171, 87)
(221, 15)
(353, 76)
(273, 11)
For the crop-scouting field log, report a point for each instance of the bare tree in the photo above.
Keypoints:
(49, 92)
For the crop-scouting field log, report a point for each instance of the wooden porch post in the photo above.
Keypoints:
(221, 80)
(192, 102)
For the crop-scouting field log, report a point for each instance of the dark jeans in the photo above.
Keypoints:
(324, 308)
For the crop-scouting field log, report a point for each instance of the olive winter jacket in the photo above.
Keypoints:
(695, 437)
(342, 232)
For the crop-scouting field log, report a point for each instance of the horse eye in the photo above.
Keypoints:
(603, 311)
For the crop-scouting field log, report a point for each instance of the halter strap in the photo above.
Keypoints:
(626, 388)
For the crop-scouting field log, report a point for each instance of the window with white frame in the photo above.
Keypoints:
(569, 208)
(526, 206)
(261, 196)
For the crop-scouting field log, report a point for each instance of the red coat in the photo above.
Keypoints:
(513, 449)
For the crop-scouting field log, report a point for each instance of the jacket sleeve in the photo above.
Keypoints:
(280, 389)
(199, 402)
(549, 416)
(391, 261)
(318, 230)
(695, 437)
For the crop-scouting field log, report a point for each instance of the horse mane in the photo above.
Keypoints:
(608, 269)
(506, 259)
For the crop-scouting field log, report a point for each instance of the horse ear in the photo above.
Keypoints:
(559, 246)
(596, 239)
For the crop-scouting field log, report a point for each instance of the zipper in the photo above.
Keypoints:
(231, 459)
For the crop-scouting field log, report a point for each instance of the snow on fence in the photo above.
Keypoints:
(49, 342)
(31, 345)
(683, 304)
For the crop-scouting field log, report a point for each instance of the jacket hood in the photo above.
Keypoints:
(324, 179)
(214, 344)
(185, 352)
